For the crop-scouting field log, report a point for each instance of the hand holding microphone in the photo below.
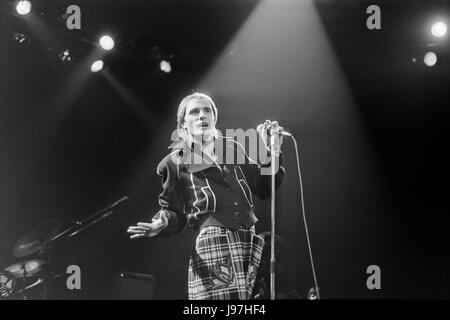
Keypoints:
(276, 133)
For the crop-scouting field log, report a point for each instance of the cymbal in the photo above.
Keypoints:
(35, 239)
(26, 269)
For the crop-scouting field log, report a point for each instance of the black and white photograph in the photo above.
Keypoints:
(231, 150)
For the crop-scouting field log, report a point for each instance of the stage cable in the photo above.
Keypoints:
(304, 217)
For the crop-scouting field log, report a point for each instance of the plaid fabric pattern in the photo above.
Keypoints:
(224, 264)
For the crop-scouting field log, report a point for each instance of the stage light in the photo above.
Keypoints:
(21, 39)
(97, 66)
(106, 42)
(165, 66)
(439, 29)
(65, 56)
(430, 59)
(23, 7)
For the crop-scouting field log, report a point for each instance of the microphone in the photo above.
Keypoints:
(268, 126)
(285, 133)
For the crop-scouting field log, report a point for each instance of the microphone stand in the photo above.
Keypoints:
(272, 216)
(92, 219)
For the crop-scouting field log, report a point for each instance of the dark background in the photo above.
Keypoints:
(371, 124)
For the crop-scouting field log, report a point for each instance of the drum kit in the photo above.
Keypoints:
(17, 279)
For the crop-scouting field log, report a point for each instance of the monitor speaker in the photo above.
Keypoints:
(134, 286)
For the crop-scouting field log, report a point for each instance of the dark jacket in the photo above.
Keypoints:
(219, 194)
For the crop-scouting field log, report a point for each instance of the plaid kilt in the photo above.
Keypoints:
(224, 264)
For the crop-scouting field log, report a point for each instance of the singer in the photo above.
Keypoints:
(215, 199)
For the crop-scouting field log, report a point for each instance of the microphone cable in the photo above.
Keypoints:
(304, 216)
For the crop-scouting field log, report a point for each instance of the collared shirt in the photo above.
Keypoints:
(203, 193)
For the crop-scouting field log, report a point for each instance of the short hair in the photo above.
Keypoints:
(181, 113)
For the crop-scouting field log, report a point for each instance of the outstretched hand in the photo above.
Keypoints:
(148, 230)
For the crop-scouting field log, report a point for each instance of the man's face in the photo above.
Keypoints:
(199, 119)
